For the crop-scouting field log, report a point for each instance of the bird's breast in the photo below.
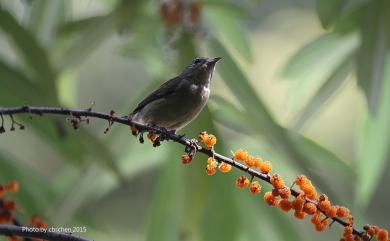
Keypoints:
(200, 90)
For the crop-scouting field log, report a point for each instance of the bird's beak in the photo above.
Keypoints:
(213, 60)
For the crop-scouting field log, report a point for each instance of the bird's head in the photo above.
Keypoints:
(200, 70)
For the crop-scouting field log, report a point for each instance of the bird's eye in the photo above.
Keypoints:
(197, 61)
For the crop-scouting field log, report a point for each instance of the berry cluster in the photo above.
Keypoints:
(8, 207)
(371, 231)
(251, 161)
(304, 202)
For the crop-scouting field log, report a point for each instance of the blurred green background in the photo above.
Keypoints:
(303, 83)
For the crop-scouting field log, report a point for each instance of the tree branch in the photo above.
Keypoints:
(28, 232)
(79, 113)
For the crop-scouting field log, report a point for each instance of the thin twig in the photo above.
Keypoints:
(169, 136)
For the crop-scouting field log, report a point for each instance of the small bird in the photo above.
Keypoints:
(179, 100)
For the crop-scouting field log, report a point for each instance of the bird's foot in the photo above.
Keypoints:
(163, 136)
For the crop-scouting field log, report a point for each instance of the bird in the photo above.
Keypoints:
(179, 100)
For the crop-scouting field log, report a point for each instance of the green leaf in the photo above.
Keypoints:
(314, 61)
(80, 25)
(350, 20)
(32, 53)
(374, 144)
(230, 8)
(329, 167)
(260, 222)
(203, 197)
(373, 51)
(167, 205)
(228, 115)
(16, 88)
(329, 11)
(44, 16)
(325, 92)
(92, 33)
(226, 28)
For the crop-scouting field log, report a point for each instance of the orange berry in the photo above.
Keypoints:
(152, 136)
(270, 199)
(382, 235)
(312, 196)
(255, 188)
(258, 162)
(284, 192)
(242, 182)
(350, 219)
(12, 186)
(13, 238)
(277, 181)
(301, 180)
(266, 167)
(285, 205)
(172, 12)
(6, 216)
(210, 160)
(299, 214)
(321, 226)
(342, 212)
(349, 237)
(224, 167)
(2, 190)
(210, 141)
(324, 205)
(316, 219)
(250, 161)
(309, 190)
(185, 159)
(347, 230)
(240, 155)
(298, 203)
(331, 212)
(9, 204)
(275, 192)
(36, 221)
(310, 208)
(210, 169)
(134, 130)
(196, 9)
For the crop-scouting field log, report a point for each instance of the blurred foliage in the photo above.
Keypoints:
(122, 190)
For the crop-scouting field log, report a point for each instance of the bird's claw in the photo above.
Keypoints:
(164, 135)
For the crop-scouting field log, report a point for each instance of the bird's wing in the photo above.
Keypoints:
(166, 89)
